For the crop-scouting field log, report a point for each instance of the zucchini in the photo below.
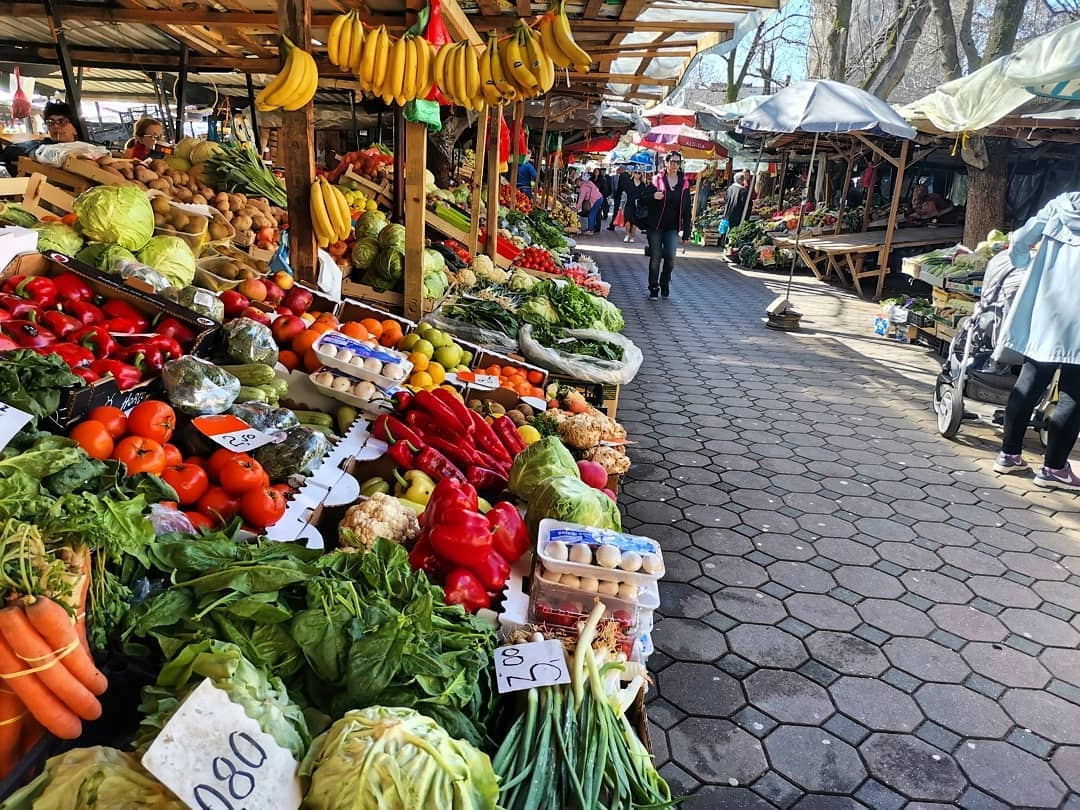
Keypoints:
(249, 393)
(314, 418)
(251, 373)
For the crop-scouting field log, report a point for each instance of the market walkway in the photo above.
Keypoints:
(853, 605)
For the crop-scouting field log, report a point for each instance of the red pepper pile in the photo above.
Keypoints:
(458, 248)
(468, 552)
(536, 258)
(58, 316)
(441, 437)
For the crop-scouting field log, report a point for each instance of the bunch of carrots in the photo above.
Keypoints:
(48, 680)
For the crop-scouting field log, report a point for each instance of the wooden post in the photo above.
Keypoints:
(515, 138)
(492, 246)
(541, 154)
(898, 186)
(253, 115)
(868, 202)
(296, 148)
(477, 184)
(415, 214)
(400, 156)
(181, 93)
(843, 196)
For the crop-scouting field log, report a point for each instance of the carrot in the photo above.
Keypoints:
(41, 703)
(32, 734)
(35, 652)
(12, 713)
(55, 626)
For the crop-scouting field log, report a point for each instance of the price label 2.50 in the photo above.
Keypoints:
(525, 666)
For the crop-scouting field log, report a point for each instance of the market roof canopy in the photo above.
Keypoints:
(680, 138)
(823, 106)
(664, 114)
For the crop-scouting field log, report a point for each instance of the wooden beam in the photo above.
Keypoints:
(489, 8)
(161, 17)
(877, 150)
(592, 9)
(611, 26)
(296, 141)
(515, 139)
(609, 47)
(632, 79)
(894, 207)
(491, 247)
(72, 88)
(477, 184)
(461, 26)
(721, 5)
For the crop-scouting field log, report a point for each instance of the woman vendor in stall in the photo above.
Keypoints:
(148, 133)
(926, 204)
(61, 129)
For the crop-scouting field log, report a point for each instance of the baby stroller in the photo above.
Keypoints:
(970, 372)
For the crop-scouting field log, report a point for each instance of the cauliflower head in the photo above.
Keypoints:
(612, 459)
(381, 515)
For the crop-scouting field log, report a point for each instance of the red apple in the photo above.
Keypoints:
(234, 303)
(298, 300)
(282, 310)
(593, 474)
(286, 327)
(253, 288)
(256, 314)
(274, 293)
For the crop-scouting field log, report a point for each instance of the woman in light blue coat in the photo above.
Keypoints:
(1044, 326)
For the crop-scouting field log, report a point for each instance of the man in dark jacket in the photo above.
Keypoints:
(60, 124)
(735, 200)
(623, 184)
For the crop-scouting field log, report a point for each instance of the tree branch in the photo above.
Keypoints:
(950, 56)
(967, 38)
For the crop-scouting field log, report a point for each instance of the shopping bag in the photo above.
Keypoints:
(619, 221)
(725, 226)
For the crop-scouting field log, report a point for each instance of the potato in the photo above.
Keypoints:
(182, 194)
(144, 175)
(178, 221)
(160, 205)
(206, 191)
(262, 266)
(237, 202)
(127, 173)
(242, 222)
(229, 270)
(219, 231)
(198, 199)
(247, 272)
(159, 166)
(159, 221)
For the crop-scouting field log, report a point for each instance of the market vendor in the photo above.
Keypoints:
(148, 133)
(926, 204)
(58, 122)
(526, 175)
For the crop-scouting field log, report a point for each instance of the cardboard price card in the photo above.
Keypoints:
(232, 432)
(536, 663)
(12, 421)
(215, 757)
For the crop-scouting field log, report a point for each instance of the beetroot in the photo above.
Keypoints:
(593, 474)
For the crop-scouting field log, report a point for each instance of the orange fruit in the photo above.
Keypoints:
(289, 359)
(535, 377)
(355, 329)
(495, 370)
(436, 372)
(303, 342)
(523, 389)
(311, 361)
(319, 327)
(391, 333)
(328, 317)
(374, 327)
(511, 371)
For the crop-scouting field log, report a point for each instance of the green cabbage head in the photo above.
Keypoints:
(370, 224)
(364, 252)
(170, 256)
(104, 255)
(58, 237)
(120, 214)
(547, 458)
(393, 237)
(572, 500)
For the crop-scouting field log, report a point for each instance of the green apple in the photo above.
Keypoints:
(424, 347)
(409, 341)
(448, 356)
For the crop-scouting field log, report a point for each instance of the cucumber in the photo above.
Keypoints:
(251, 373)
(249, 393)
(314, 418)
(280, 385)
(323, 429)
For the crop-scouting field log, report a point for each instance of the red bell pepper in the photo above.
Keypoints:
(486, 439)
(492, 572)
(484, 479)
(388, 429)
(507, 432)
(459, 536)
(177, 330)
(423, 558)
(145, 357)
(169, 347)
(436, 465)
(117, 308)
(402, 454)
(126, 375)
(28, 335)
(60, 323)
(69, 287)
(89, 314)
(445, 419)
(402, 400)
(20, 308)
(509, 536)
(71, 353)
(96, 338)
(88, 374)
(123, 326)
(7, 344)
(463, 588)
(39, 289)
(5, 315)
(456, 407)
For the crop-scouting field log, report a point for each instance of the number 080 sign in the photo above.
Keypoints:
(215, 757)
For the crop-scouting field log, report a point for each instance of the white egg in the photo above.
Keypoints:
(373, 364)
(357, 360)
(328, 349)
(345, 355)
(581, 553)
(608, 556)
(557, 550)
(631, 561)
(395, 371)
(324, 378)
(590, 584)
(628, 590)
(608, 587)
(341, 384)
(651, 563)
(570, 581)
(364, 390)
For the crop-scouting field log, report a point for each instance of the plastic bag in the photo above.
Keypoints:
(473, 334)
(198, 387)
(265, 417)
(582, 367)
(167, 520)
(126, 268)
(299, 453)
(56, 153)
(20, 102)
(248, 341)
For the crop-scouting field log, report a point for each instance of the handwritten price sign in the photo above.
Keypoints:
(11, 422)
(525, 666)
(215, 757)
(231, 432)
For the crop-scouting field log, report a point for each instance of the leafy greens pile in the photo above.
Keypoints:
(32, 382)
(556, 337)
(342, 630)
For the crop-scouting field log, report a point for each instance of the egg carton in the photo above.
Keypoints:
(646, 595)
(588, 551)
(364, 394)
(363, 359)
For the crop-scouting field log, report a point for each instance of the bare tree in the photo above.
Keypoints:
(759, 57)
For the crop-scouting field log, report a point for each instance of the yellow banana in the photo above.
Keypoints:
(487, 79)
(346, 214)
(456, 74)
(320, 220)
(506, 90)
(306, 84)
(515, 63)
(333, 38)
(366, 74)
(380, 80)
(538, 61)
(550, 42)
(423, 68)
(344, 45)
(408, 79)
(395, 71)
(561, 27)
(438, 68)
(269, 97)
(356, 52)
(333, 215)
(474, 93)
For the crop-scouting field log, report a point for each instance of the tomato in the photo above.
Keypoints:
(93, 437)
(198, 461)
(262, 506)
(189, 481)
(238, 475)
(283, 488)
(173, 456)
(219, 505)
(200, 521)
(152, 420)
(114, 419)
(218, 459)
(140, 454)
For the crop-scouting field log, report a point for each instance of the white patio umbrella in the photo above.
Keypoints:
(820, 106)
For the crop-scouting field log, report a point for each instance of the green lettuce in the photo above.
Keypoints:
(104, 255)
(572, 500)
(58, 237)
(547, 458)
(171, 257)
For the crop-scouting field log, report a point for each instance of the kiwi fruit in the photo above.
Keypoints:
(229, 270)
(247, 272)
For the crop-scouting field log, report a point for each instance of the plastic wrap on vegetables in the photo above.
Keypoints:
(248, 341)
(198, 387)
(299, 454)
(265, 417)
(132, 268)
(202, 301)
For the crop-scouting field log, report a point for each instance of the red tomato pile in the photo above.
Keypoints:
(536, 258)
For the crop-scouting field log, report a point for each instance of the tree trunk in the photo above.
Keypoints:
(950, 55)
(986, 193)
(889, 71)
(836, 45)
(441, 148)
(1004, 22)
(967, 38)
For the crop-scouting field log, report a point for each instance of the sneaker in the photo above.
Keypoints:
(627, 239)
(1006, 464)
(654, 295)
(1057, 479)
(630, 239)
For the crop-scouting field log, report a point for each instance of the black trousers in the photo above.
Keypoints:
(1064, 421)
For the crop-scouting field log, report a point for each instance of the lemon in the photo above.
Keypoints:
(421, 379)
(437, 373)
(420, 361)
(528, 434)
(372, 205)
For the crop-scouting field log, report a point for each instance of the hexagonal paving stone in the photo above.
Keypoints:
(701, 689)
(745, 605)
(717, 750)
(827, 803)
(1034, 566)
(1066, 761)
(681, 600)
(911, 766)
(895, 617)
(822, 612)
(972, 561)
(875, 704)
(926, 659)
(846, 552)
(815, 760)
(767, 646)
(846, 653)
(807, 501)
(968, 623)
(937, 587)
(1064, 664)
(827, 526)
(688, 640)
(1040, 628)
(909, 555)
(1047, 715)
(801, 576)
(719, 541)
(735, 571)
(1064, 594)
(784, 547)
(884, 529)
(963, 711)
(768, 521)
(1004, 592)
(1006, 665)
(711, 797)
(1009, 774)
(788, 696)
(679, 567)
(944, 533)
(868, 581)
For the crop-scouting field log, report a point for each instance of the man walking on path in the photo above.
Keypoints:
(623, 184)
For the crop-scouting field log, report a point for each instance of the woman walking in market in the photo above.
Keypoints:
(669, 214)
(589, 203)
(1044, 327)
(636, 207)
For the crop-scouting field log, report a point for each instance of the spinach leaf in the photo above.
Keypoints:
(32, 382)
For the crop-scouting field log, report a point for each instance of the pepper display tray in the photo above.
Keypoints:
(338, 342)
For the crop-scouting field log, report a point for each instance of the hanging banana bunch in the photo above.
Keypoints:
(457, 74)
(294, 86)
(330, 215)
(526, 66)
(559, 42)
(345, 44)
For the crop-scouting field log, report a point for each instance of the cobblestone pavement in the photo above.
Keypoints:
(856, 612)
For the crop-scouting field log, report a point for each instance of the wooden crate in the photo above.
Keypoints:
(710, 239)
(92, 172)
(37, 195)
(382, 193)
(69, 182)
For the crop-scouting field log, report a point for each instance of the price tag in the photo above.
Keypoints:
(486, 381)
(232, 432)
(11, 422)
(536, 663)
(215, 757)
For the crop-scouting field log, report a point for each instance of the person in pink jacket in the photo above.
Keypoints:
(589, 202)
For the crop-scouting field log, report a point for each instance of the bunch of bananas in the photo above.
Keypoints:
(397, 70)
(559, 42)
(529, 68)
(330, 215)
(345, 43)
(296, 84)
(457, 74)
